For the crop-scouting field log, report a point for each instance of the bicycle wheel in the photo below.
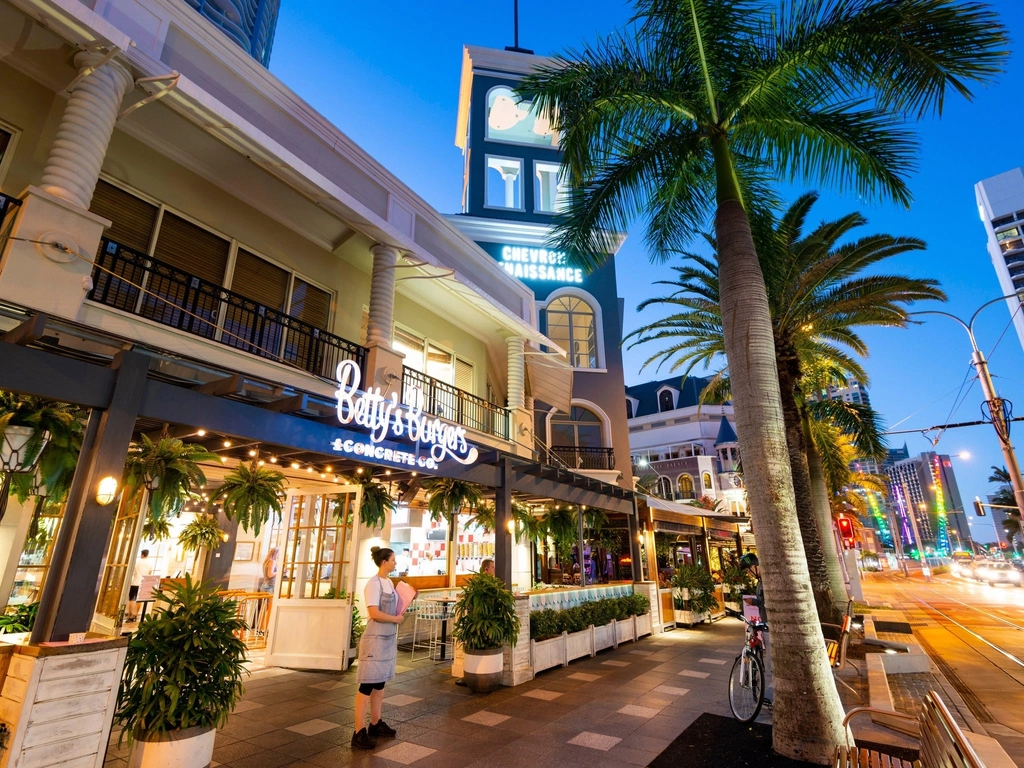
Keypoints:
(746, 687)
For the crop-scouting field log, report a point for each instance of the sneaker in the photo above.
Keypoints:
(363, 740)
(380, 728)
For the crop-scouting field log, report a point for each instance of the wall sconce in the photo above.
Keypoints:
(107, 491)
(511, 527)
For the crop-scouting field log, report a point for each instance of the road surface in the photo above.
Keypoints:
(975, 635)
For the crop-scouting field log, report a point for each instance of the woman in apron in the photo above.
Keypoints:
(378, 649)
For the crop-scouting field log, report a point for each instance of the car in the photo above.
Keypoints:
(998, 573)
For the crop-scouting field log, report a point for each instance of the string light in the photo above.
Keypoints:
(273, 459)
(252, 453)
(387, 471)
(359, 470)
(223, 459)
(295, 465)
(227, 443)
(260, 462)
(328, 468)
(323, 475)
(310, 470)
(201, 433)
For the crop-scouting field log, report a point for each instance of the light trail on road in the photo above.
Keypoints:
(975, 608)
(978, 651)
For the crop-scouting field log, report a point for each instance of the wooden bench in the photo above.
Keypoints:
(943, 744)
(836, 647)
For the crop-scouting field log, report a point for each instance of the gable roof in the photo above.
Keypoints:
(647, 393)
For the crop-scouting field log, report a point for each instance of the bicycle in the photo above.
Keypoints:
(746, 679)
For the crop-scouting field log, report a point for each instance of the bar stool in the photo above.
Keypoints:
(429, 618)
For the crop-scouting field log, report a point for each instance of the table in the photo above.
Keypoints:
(445, 602)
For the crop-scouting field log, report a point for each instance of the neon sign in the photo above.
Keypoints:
(539, 264)
(385, 418)
(944, 544)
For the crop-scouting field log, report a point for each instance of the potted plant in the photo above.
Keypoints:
(376, 503)
(485, 621)
(26, 427)
(21, 619)
(251, 494)
(694, 594)
(182, 677)
(169, 469)
(202, 533)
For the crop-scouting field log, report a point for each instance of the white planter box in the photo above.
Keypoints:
(689, 617)
(548, 653)
(604, 637)
(579, 644)
(624, 630)
(732, 606)
(643, 625)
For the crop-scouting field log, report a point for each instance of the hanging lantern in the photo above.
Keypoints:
(13, 456)
(39, 488)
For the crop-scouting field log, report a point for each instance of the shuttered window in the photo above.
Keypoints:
(192, 249)
(259, 280)
(132, 219)
(310, 304)
(464, 375)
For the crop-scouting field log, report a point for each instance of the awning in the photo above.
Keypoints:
(689, 509)
(549, 378)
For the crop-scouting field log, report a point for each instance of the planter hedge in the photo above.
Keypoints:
(549, 623)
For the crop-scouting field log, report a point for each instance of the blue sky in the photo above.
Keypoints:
(388, 76)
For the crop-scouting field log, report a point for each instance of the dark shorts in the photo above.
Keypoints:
(133, 592)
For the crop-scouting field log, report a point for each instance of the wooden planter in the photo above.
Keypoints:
(643, 625)
(604, 637)
(579, 644)
(547, 653)
(624, 630)
(690, 618)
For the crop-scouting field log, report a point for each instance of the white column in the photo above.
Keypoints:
(84, 134)
(382, 295)
(516, 372)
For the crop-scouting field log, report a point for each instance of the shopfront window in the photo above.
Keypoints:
(120, 555)
(34, 564)
(317, 551)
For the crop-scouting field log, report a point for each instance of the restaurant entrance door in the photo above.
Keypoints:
(311, 614)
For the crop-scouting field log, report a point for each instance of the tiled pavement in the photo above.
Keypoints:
(621, 708)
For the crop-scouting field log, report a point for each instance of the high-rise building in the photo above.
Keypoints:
(926, 487)
(250, 23)
(1001, 207)
(855, 392)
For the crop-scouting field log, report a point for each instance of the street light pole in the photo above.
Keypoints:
(996, 405)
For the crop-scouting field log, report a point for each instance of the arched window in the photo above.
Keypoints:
(665, 402)
(579, 428)
(685, 486)
(664, 488)
(706, 481)
(572, 326)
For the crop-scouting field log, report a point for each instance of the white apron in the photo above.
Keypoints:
(378, 647)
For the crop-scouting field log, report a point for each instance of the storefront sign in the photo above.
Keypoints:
(384, 417)
(539, 264)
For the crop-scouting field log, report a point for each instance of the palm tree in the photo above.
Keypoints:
(692, 110)
(818, 297)
(1004, 495)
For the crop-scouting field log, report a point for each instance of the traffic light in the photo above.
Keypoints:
(979, 508)
(846, 531)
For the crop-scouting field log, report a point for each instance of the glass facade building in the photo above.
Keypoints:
(250, 23)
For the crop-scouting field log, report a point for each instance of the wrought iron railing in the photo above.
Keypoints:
(157, 291)
(585, 458)
(455, 405)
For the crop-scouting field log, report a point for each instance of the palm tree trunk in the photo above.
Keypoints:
(823, 515)
(824, 599)
(808, 714)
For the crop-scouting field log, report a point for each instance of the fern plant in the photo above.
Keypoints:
(449, 497)
(700, 589)
(377, 502)
(251, 494)
(202, 533)
(170, 469)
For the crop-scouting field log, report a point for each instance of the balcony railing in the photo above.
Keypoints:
(585, 458)
(152, 289)
(455, 405)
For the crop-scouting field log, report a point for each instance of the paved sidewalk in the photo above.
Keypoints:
(621, 708)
